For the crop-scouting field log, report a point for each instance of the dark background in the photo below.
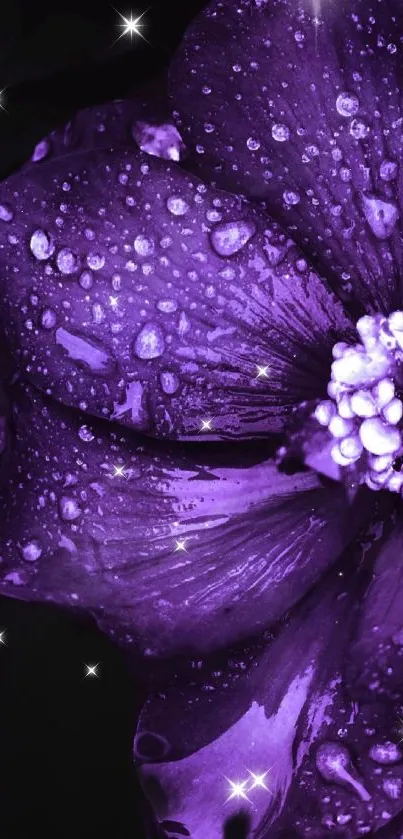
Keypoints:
(66, 740)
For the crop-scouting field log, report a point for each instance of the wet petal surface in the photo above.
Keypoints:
(301, 108)
(134, 292)
(172, 548)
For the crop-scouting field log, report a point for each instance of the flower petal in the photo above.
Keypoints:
(304, 112)
(179, 548)
(132, 291)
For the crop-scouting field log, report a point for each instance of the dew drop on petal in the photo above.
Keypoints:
(41, 244)
(95, 261)
(6, 213)
(380, 215)
(379, 438)
(385, 753)
(31, 551)
(229, 237)
(41, 151)
(291, 198)
(252, 144)
(85, 434)
(177, 205)
(392, 787)
(143, 246)
(150, 342)
(86, 280)
(48, 319)
(167, 305)
(388, 170)
(68, 508)
(280, 132)
(347, 104)
(66, 261)
(169, 382)
(358, 129)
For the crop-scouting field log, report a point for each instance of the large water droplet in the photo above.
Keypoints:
(66, 261)
(85, 434)
(280, 132)
(95, 261)
(385, 753)
(380, 215)
(41, 244)
(150, 342)
(31, 551)
(169, 382)
(229, 237)
(68, 508)
(392, 788)
(48, 319)
(6, 213)
(359, 129)
(85, 280)
(347, 104)
(334, 763)
(379, 438)
(143, 246)
(177, 205)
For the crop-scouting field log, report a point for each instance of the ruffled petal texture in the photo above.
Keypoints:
(134, 292)
(301, 107)
(174, 549)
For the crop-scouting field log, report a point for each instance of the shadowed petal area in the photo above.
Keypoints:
(280, 721)
(134, 292)
(301, 107)
(173, 549)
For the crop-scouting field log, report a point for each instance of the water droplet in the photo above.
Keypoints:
(40, 151)
(31, 551)
(388, 170)
(48, 319)
(169, 382)
(380, 215)
(177, 206)
(167, 306)
(66, 261)
(291, 198)
(85, 434)
(98, 313)
(229, 237)
(68, 508)
(385, 753)
(280, 132)
(252, 144)
(86, 281)
(95, 261)
(42, 245)
(392, 788)
(358, 129)
(334, 763)
(143, 246)
(6, 213)
(150, 342)
(347, 104)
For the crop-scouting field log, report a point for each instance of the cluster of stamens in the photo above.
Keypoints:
(364, 413)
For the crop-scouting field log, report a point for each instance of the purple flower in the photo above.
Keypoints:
(205, 445)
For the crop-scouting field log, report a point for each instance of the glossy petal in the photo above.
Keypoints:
(300, 107)
(132, 291)
(181, 549)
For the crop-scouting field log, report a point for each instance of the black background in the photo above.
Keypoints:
(66, 740)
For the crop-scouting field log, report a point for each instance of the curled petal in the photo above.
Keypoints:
(168, 545)
(300, 107)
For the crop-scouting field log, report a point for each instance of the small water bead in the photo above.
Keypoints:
(143, 246)
(177, 205)
(86, 280)
(252, 144)
(347, 104)
(48, 319)
(291, 198)
(85, 434)
(6, 213)
(385, 753)
(359, 129)
(167, 305)
(42, 244)
(380, 215)
(388, 170)
(98, 313)
(68, 508)
(299, 37)
(66, 261)
(150, 342)
(31, 551)
(169, 382)
(229, 237)
(95, 261)
(392, 788)
(280, 132)
(41, 151)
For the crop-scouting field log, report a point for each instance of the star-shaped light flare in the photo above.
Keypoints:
(206, 425)
(119, 472)
(258, 780)
(181, 545)
(262, 371)
(131, 26)
(91, 670)
(237, 790)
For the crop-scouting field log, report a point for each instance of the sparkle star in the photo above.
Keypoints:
(262, 372)
(180, 545)
(206, 425)
(131, 26)
(119, 472)
(91, 670)
(237, 790)
(114, 302)
(2, 636)
(258, 781)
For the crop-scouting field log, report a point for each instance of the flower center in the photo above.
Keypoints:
(363, 414)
